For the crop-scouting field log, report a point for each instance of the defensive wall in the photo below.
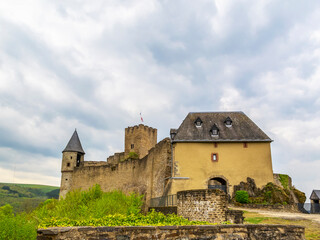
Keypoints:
(139, 139)
(235, 231)
(144, 176)
(208, 205)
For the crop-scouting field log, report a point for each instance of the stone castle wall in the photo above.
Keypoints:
(239, 232)
(208, 205)
(145, 176)
(116, 158)
(139, 139)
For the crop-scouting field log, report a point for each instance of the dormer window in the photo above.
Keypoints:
(228, 122)
(173, 133)
(198, 122)
(214, 131)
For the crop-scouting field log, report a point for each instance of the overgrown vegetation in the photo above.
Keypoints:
(16, 227)
(242, 196)
(94, 203)
(84, 208)
(284, 179)
(301, 196)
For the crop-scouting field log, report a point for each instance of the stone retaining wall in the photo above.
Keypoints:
(208, 205)
(239, 232)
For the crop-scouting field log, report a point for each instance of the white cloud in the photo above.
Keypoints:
(96, 65)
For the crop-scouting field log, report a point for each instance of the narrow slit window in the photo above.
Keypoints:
(132, 146)
(214, 157)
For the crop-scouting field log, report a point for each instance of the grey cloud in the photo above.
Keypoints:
(96, 66)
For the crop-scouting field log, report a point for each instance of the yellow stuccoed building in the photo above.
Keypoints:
(208, 150)
(219, 150)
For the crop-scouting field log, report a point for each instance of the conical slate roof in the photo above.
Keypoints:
(74, 144)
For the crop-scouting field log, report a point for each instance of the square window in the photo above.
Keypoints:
(214, 157)
(68, 164)
(245, 145)
(215, 145)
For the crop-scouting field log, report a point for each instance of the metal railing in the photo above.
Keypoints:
(165, 201)
(222, 187)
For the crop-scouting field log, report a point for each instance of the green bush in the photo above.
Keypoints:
(151, 219)
(242, 196)
(15, 227)
(92, 203)
(301, 196)
(284, 179)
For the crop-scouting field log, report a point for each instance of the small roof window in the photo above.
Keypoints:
(214, 131)
(173, 133)
(198, 122)
(228, 122)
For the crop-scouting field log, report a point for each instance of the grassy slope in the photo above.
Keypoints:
(43, 188)
(312, 228)
(23, 197)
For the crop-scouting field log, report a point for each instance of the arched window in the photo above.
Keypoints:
(218, 183)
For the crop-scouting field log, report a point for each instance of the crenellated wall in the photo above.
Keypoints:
(139, 139)
(145, 176)
(116, 158)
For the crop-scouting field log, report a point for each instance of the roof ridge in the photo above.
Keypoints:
(218, 112)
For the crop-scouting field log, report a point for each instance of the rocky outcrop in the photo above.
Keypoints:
(281, 193)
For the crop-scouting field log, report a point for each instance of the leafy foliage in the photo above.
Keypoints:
(92, 203)
(301, 196)
(132, 155)
(84, 208)
(284, 179)
(15, 227)
(274, 194)
(151, 219)
(242, 196)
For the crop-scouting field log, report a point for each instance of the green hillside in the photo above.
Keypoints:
(25, 197)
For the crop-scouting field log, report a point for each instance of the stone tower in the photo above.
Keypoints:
(139, 139)
(72, 157)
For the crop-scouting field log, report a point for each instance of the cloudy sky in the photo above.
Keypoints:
(95, 65)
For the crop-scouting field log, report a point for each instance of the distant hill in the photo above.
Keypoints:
(26, 197)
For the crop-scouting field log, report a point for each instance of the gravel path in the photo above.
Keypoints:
(286, 215)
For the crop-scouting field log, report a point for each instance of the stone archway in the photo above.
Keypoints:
(218, 182)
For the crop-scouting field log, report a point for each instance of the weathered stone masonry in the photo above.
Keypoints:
(238, 232)
(132, 175)
(208, 205)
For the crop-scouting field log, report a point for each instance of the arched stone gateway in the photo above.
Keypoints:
(218, 183)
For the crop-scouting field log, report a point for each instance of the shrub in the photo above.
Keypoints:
(242, 196)
(284, 179)
(301, 196)
(274, 194)
(151, 219)
(15, 227)
(133, 155)
(91, 203)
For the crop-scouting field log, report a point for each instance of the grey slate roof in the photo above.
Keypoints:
(74, 144)
(315, 195)
(242, 128)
